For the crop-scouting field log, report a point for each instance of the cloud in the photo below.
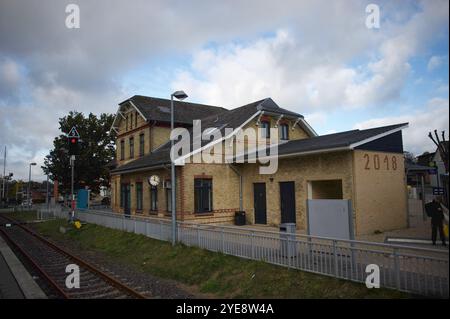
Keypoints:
(307, 75)
(310, 56)
(435, 115)
(10, 79)
(435, 62)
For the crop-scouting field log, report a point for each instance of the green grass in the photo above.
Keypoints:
(211, 273)
(23, 216)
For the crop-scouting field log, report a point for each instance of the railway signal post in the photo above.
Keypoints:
(73, 139)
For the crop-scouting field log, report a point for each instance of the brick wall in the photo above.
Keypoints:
(301, 170)
(380, 192)
(225, 185)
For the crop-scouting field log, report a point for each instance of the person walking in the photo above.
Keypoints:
(436, 212)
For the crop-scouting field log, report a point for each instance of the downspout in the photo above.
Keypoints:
(241, 206)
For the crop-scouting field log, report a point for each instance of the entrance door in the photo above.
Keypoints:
(287, 202)
(127, 199)
(259, 197)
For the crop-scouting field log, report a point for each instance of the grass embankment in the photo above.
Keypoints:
(25, 216)
(208, 272)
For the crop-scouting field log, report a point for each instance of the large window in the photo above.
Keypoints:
(203, 195)
(141, 145)
(154, 198)
(284, 132)
(168, 195)
(131, 147)
(122, 150)
(265, 129)
(139, 196)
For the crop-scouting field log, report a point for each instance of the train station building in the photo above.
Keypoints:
(364, 168)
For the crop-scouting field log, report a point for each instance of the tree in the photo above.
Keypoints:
(442, 147)
(96, 150)
(409, 157)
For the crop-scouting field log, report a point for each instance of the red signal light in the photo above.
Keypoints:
(73, 140)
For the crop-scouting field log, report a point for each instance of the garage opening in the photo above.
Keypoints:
(326, 189)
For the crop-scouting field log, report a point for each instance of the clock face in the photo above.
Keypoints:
(153, 180)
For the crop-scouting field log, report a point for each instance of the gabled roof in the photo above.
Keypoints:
(425, 159)
(347, 140)
(158, 158)
(413, 167)
(156, 109)
(234, 119)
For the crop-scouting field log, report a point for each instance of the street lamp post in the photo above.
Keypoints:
(180, 95)
(29, 186)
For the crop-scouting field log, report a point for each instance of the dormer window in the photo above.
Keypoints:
(265, 129)
(284, 132)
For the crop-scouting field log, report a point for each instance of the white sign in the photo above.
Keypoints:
(73, 132)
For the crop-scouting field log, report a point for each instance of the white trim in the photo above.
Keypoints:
(181, 160)
(258, 121)
(334, 149)
(119, 112)
(112, 125)
(308, 127)
(131, 103)
(373, 138)
(296, 122)
(278, 120)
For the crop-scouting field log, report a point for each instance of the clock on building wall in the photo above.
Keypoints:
(153, 180)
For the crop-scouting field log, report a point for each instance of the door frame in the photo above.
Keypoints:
(282, 204)
(265, 204)
(126, 188)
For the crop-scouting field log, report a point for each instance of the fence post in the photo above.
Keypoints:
(198, 236)
(160, 230)
(252, 245)
(397, 268)
(336, 272)
(223, 240)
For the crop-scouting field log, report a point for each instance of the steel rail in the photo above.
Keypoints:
(114, 282)
(34, 264)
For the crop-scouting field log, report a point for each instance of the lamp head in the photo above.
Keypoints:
(180, 95)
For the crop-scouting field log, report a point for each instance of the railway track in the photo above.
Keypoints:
(49, 261)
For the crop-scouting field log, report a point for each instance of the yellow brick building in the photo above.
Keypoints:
(363, 166)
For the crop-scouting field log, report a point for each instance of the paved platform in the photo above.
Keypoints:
(15, 281)
(9, 288)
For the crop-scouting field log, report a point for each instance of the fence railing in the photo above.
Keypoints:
(411, 269)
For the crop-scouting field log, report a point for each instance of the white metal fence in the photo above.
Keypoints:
(411, 269)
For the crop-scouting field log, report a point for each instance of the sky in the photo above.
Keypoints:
(317, 58)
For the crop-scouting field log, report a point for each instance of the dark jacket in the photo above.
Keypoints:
(435, 211)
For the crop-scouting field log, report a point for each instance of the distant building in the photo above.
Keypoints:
(437, 176)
